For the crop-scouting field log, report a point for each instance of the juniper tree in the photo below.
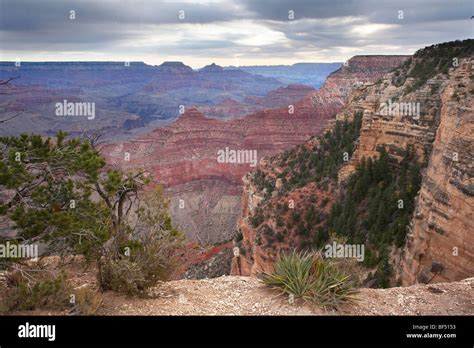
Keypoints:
(60, 191)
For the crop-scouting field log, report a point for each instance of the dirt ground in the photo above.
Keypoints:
(247, 296)
(231, 295)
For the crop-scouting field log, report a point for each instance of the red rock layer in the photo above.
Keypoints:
(185, 152)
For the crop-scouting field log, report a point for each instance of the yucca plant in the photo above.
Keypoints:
(310, 277)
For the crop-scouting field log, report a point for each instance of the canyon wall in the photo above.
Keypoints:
(205, 194)
(440, 245)
(424, 105)
(357, 74)
(440, 239)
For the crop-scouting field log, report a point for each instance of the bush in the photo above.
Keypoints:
(238, 236)
(113, 211)
(150, 253)
(257, 219)
(279, 221)
(310, 277)
(146, 265)
(324, 202)
(35, 288)
(280, 237)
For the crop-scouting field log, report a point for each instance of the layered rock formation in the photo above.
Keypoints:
(440, 235)
(440, 245)
(183, 155)
(357, 74)
(280, 97)
(126, 96)
(426, 104)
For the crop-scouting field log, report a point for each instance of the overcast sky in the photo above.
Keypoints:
(227, 32)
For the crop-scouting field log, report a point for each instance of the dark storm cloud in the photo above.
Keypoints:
(377, 11)
(259, 29)
(40, 14)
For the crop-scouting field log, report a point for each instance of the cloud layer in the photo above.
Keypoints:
(231, 32)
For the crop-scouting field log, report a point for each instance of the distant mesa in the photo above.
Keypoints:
(191, 113)
(174, 67)
(212, 68)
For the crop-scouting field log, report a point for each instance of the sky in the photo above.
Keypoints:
(226, 32)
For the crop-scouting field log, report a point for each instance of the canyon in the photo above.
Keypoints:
(205, 195)
(184, 127)
(130, 97)
(310, 74)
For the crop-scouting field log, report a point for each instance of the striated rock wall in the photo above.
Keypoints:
(440, 240)
(440, 237)
(358, 71)
(356, 74)
(440, 245)
(183, 156)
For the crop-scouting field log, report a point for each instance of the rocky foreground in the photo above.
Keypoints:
(234, 295)
(247, 296)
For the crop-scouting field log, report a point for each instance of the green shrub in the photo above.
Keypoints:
(280, 237)
(310, 277)
(238, 236)
(279, 221)
(257, 218)
(146, 265)
(34, 288)
(368, 212)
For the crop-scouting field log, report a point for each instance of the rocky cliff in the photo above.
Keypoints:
(258, 253)
(424, 105)
(360, 70)
(183, 155)
(439, 245)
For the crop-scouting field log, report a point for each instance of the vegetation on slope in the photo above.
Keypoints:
(316, 165)
(426, 63)
(376, 207)
(303, 165)
(373, 208)
(58, 192)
